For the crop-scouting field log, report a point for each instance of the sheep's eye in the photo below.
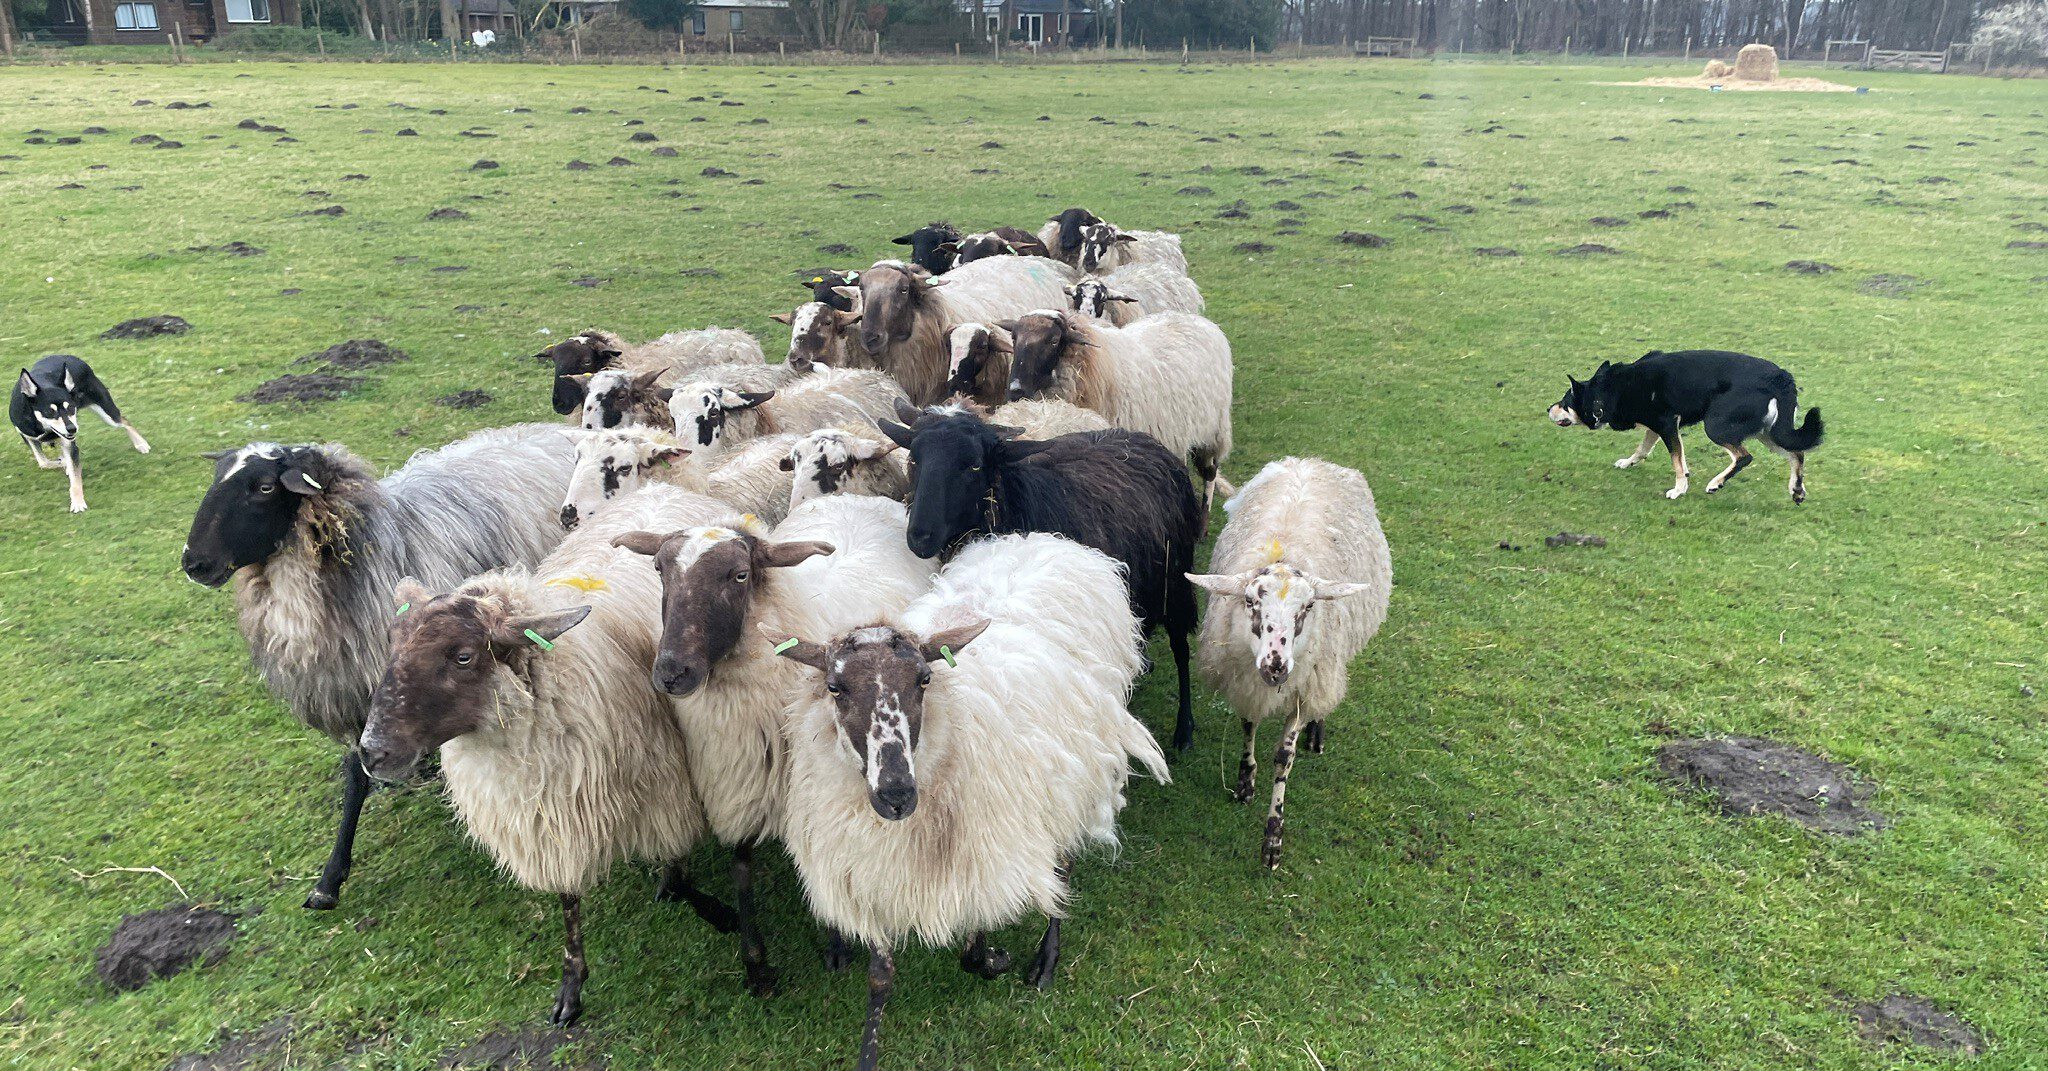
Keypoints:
(1250, 603)
(740, 577)
(465, 658)
(265, 487)
(832, 688)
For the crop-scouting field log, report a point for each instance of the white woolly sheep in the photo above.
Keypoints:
(715, 416)
(314, 542)
(834, 461)
(1168, 375)
(1105, 248)
(596, 350)
(989, 773)
(1302, 532)
(834, 562)
(1047, 418)
(557, 756)
(906, 311)
(1134, 291)
(613, 464)
(616, 397)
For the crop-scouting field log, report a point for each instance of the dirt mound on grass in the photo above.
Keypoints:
(263, 1049)
(301, 390)
(1915, 1021)
(1753, 776)
(355, 354)
(147, 327)
(158, 944)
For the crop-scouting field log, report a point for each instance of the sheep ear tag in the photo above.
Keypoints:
(402, 610)
(947, 654)
(539, 640)
(785, 645)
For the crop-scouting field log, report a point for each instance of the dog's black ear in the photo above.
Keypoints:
(26, 385)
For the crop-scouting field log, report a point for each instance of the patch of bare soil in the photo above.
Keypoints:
(1361, 238)
(354, 355)
(300, 390)
(1574, 539)
(1754, 776)
(510, 1050)
(158, 944)
(465, 399)
(1915, 1021)
(147, 327)
(263, 1049)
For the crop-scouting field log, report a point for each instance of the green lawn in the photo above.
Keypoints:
(1483, 872)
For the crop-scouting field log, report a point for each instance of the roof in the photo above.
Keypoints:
(1025, 7)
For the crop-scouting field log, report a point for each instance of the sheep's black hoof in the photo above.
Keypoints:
(1040, 974)
(837, 956)
(568, 1009)
(761, 981)
(1312, 738)
(992, 964)
(322, 901)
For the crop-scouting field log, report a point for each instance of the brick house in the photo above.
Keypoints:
(147, 22)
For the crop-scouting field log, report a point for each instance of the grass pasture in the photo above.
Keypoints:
(1483, 872)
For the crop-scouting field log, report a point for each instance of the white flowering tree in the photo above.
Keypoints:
(2015, 31)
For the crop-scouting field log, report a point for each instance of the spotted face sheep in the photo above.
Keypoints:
(1168, 375)
(1105, 248)
(315, 542)
(947, 765)
(821, 335)
(906, 311)
(1301, 585)
(832, 461)
(558, 758)
(595, 350)
(1000, 242)
(978, 363)
(834, 560)
(611, 465)
(1134, 291)
(615, 397)
(1117, 491)
(1062, 234)
(716, 416)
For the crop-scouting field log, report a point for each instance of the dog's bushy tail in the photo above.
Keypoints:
(1802, 438)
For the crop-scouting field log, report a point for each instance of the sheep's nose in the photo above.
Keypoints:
(895, 801)
(872, 342)
(923, 542)
(673, 676)
(568, 516)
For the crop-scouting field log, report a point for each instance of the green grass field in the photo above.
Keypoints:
(1483, 872)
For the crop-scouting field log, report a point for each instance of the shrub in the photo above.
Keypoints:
(293, 40)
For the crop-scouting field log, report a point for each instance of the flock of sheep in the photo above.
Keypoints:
(705, 610)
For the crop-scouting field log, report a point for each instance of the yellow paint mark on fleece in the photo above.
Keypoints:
(580, 583)
(1274, 552)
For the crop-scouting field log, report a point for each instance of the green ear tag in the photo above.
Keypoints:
(785, 645)
(402, 609)
(539, 640)
(947, 654)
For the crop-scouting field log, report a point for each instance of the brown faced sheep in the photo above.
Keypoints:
(906, 311)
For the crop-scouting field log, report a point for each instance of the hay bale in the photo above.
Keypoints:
(1757, 63)
(1717, 69)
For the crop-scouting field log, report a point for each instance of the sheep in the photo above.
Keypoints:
(314, 542)
(835, 562)
(978, 363)
(1061, 234)
(924, 244)
(1301, 533)
(716, 416)
(1118, 491)
(1000, 242)
(616, 396)
(821, 334)
(613, 464)
(989, 773)
(836, 461)
(558, 758)
(1104, 248)
(1168, 375)
(1134, 291)
(596, 350)
(906, 311)
(1047, 418)
(832, 287)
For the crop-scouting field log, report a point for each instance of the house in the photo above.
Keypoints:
(149, 22)
(1050, 23)
(713, 20)
(501, 17)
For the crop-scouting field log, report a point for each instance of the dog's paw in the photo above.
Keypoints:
(1627, 462)
(1674, 492)
(78, 507)
(142, 448)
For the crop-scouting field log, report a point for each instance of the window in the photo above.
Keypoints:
(134, 16)
(62, 11)
(697, 23)
(995, 25)
(1033, 27)
(248, 10)
(734, 19)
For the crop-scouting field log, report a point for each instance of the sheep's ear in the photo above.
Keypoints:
(850, 293)
(782, 317)
(538, 630)
(907, 413)
(1005, 342)
(787, 464)
(1124, 238)
(1337, 591)
(796, 650)
(941, 646)
(1072, 290)
(1004, 431)
(847, 319)
(906, 239)
(607, 354)
(667, 455)
(210, 455)
(870, 450)
(648, 378)
(648, 543)
(750, 399)
(306, 474)
(897, 433)
(784, 555)
(949, 248)
(26, 386)
(408, 594)
(581, 379)
(1120, 297)
(1218, 584)
(662, 394)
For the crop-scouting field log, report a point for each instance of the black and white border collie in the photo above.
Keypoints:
(1737, 397)
(45, 408)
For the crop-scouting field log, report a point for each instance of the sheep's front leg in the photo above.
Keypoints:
(1184, 720)
(678, 887)
(753, 950)
(1283, 764)
(1312, 738)
(569, 998)
(881, 981)
(837, 956)
(982, 961)
(355, 788)
(1247, 765)
(1040, 973)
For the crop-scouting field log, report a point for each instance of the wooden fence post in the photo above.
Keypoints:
(1688, 47)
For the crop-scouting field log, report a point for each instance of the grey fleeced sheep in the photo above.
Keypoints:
(1135, 291)
(715, 417)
